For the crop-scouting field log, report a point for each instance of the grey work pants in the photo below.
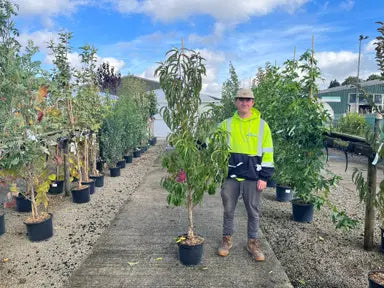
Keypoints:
(230, 193)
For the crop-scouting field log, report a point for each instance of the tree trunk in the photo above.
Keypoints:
(34, 207)
(86, 159)
(190, 216)
(78, 164)
(67, 176)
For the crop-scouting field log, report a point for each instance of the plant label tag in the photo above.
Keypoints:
(54, 185)
(287, 191)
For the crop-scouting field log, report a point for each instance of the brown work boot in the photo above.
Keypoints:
(225, 246)
(253, 247)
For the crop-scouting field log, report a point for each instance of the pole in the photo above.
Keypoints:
(369, 224)
(361, 38)
(312, 60)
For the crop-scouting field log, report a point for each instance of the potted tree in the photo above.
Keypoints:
(192, 169)
(110, 142)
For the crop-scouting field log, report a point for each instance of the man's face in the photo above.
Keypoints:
(244, 105)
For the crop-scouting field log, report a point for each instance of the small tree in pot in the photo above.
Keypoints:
(193, 168)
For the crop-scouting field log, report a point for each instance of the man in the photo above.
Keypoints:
(250, 165)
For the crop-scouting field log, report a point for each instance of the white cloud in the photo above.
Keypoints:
(40, 38)
(347, 5)
(118, 64)
(340, 65)
(370, 47)
(48, 8)
(75, 61)
(169, 10)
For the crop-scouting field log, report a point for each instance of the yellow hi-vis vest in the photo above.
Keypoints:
(251, 147)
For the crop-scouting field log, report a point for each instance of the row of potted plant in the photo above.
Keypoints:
(38, 107)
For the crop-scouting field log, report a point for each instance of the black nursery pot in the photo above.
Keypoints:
(372, 282)
(283, 193)
(23, 204)
(56, 187)
(302, 212)
(382, 239)
(99, 180)
(81, 195)
(128, 158)
(190, 255)
(41, 230)
(136, 154)
(121, 164)
(91, 185)
(2, 224)
(115, 172)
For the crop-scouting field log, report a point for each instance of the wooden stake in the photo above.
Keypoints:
(312, 60)
(369, 224)
(294, 53)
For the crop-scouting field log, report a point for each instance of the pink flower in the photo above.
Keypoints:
(181, 176)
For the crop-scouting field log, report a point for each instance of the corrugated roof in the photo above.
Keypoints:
(346, 87)
(205, 98)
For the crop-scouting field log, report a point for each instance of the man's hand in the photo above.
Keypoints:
(261, 185)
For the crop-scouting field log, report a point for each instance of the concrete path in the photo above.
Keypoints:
(139, 248)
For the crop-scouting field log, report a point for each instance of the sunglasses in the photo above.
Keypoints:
(244, 99)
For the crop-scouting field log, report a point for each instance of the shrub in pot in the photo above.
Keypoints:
(298, 122)
(23, 139)
(111, 132)
(192, 170)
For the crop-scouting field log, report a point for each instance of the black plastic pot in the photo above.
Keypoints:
(128, 158)
(153, 141)
(91, 185)
(81, 195)
(121, 164)
(2, 224)
(283, 193)
(302, 212)
(136, 154)
(56, 187)
(23, 204)
(41, 230)
(372, 282)
(190, 255)
(114, 172)
(99, 180)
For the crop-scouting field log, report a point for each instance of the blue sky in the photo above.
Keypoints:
(133, 35)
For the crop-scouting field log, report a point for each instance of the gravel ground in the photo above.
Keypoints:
(313, 255)
(316, 254)
(76, 229)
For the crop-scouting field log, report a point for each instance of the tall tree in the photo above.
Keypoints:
(108, 79)
(375, 77)
(333, 83)
(228, 94)
(350, 80)
(380, 48)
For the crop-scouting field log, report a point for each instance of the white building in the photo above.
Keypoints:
(161, 129)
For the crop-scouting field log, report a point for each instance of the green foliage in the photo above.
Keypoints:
(228, 94)
(350, 80)
(110, 140)
(334, 83)
(380, 48)
(297, 121)
(353, 124)
(143, 104)
(193, 169)
(23, 140)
